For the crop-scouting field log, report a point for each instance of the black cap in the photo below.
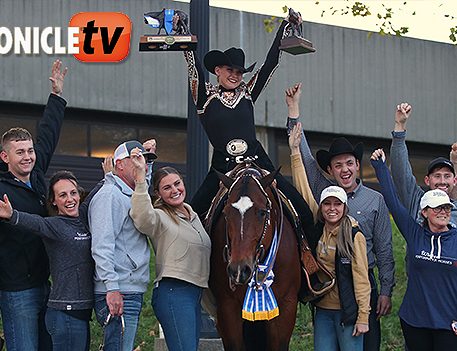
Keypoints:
(440, 162)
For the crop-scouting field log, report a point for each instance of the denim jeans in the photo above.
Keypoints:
(67, 333)
(177, 306)
(329, 335)
(113, 336)
(23, 314)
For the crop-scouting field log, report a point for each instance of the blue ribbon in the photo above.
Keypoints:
(259, 302)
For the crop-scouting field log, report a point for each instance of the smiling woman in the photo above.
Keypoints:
(68, 244)
(341, 247)
(64, 196)
(182, 249)
(429, 325)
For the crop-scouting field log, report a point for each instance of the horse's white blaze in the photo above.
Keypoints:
(242, 205)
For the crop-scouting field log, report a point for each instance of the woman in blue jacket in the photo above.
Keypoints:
(429, 309)
(67, 240)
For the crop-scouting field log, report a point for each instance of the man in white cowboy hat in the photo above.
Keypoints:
(365, 205)
(440, 174)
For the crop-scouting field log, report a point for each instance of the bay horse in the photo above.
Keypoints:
(241, 239)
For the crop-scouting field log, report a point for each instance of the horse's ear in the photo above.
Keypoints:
(224, 179)
(266, 181)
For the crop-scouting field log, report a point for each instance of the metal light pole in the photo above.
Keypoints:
(197, 141)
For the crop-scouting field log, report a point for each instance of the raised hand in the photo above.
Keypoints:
(294, 139)
(378, 153)
(150, 145)
(293, 96)
(57, 77)
(108, 164)
(401, 116)
(6, 210)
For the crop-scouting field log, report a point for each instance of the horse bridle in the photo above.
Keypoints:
(260, 249)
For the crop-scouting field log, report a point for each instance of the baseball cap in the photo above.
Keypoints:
(440, 162)
(123, 151)
(435, 198)
(335, 191)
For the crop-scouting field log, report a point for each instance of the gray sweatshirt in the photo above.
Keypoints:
(121, 253)
(67, 243)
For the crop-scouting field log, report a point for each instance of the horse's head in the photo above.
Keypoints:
(247, 215)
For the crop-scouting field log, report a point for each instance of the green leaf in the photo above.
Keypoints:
(369, 35)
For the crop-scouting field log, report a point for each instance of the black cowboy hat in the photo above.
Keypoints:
(233, 57)
(339, 146)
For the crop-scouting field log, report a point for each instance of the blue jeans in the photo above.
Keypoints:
(177, 306)
(329, 334)
(23, 315)
(113, 336)
(67, 333)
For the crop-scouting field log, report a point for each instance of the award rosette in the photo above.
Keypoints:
(175, 23)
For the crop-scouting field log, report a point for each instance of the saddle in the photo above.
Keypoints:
(311, 288)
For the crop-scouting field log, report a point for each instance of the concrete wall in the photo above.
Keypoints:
(351, 84)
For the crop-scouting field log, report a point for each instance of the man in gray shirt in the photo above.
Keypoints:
(365, 205)
(121, 253)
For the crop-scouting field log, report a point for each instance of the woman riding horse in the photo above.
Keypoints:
(226, 112)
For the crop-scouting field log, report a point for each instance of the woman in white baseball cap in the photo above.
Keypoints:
(428, 313)
(342, 314)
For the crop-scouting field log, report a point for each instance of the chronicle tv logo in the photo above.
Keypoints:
(91, 37)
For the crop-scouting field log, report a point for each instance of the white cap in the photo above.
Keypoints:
(123, 151)
(435, 198)
(335, 191)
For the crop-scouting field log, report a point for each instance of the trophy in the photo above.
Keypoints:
(295, 44)
(175, 23)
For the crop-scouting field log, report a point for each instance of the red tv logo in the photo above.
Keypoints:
(103, 36)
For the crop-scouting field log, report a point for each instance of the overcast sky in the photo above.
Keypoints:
(428, 23)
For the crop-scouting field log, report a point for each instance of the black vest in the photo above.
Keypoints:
(343, 268)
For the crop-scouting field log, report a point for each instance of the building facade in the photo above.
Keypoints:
(351, 86)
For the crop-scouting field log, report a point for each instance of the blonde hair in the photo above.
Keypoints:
(345, 242)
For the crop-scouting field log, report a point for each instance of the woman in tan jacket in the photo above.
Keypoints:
(182, 249)
(342, 314)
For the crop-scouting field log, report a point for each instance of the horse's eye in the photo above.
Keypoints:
(262, 213)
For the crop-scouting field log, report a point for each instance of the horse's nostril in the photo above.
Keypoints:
(239, 275)
(246, 274)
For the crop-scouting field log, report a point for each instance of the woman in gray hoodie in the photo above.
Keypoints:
(67, 240)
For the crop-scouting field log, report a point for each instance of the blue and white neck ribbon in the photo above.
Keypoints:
(260, 303)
